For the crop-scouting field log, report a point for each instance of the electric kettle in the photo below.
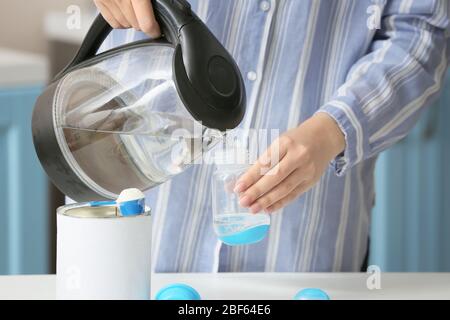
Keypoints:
(138, 114)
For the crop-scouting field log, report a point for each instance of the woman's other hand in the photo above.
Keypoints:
(303, 154)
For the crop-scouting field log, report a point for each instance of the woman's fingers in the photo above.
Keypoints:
(146, 17)
(128, 12)
(279, 192)
(117, 13)
(107, 14)
(272, 179)
(269, 160)
(301, 189)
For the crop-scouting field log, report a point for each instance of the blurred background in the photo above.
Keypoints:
(35, 44)
(410, 223)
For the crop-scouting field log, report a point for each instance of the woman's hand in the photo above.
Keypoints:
(124, 14)
(304, 154)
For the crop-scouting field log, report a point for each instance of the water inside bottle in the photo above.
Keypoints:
(241, 228)
(141, 160)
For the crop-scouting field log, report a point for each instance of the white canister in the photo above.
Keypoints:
(101, 255)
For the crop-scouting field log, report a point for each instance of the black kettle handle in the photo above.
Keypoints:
(208, 79)
(170, 14)
(97, 33)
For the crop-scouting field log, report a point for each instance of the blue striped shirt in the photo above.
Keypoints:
(371, 65)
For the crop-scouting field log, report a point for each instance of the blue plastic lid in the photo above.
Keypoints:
(177, 291)
(132, 208)
(311, 294)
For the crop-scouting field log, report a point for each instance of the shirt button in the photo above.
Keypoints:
(265, 5)
(252, 76)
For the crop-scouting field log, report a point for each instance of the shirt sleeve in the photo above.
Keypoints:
(387, 89)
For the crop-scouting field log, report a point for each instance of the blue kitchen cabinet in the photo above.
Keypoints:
(411, 218)
(24, 218)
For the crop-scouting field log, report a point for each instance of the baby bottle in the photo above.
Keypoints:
(233, 224)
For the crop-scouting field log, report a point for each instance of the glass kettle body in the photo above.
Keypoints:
(137, 115)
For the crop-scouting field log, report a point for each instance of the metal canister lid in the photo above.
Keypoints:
(97, 211)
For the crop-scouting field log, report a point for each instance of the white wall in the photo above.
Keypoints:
(22, 21)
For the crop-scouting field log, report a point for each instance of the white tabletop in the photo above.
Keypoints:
(263, 286)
